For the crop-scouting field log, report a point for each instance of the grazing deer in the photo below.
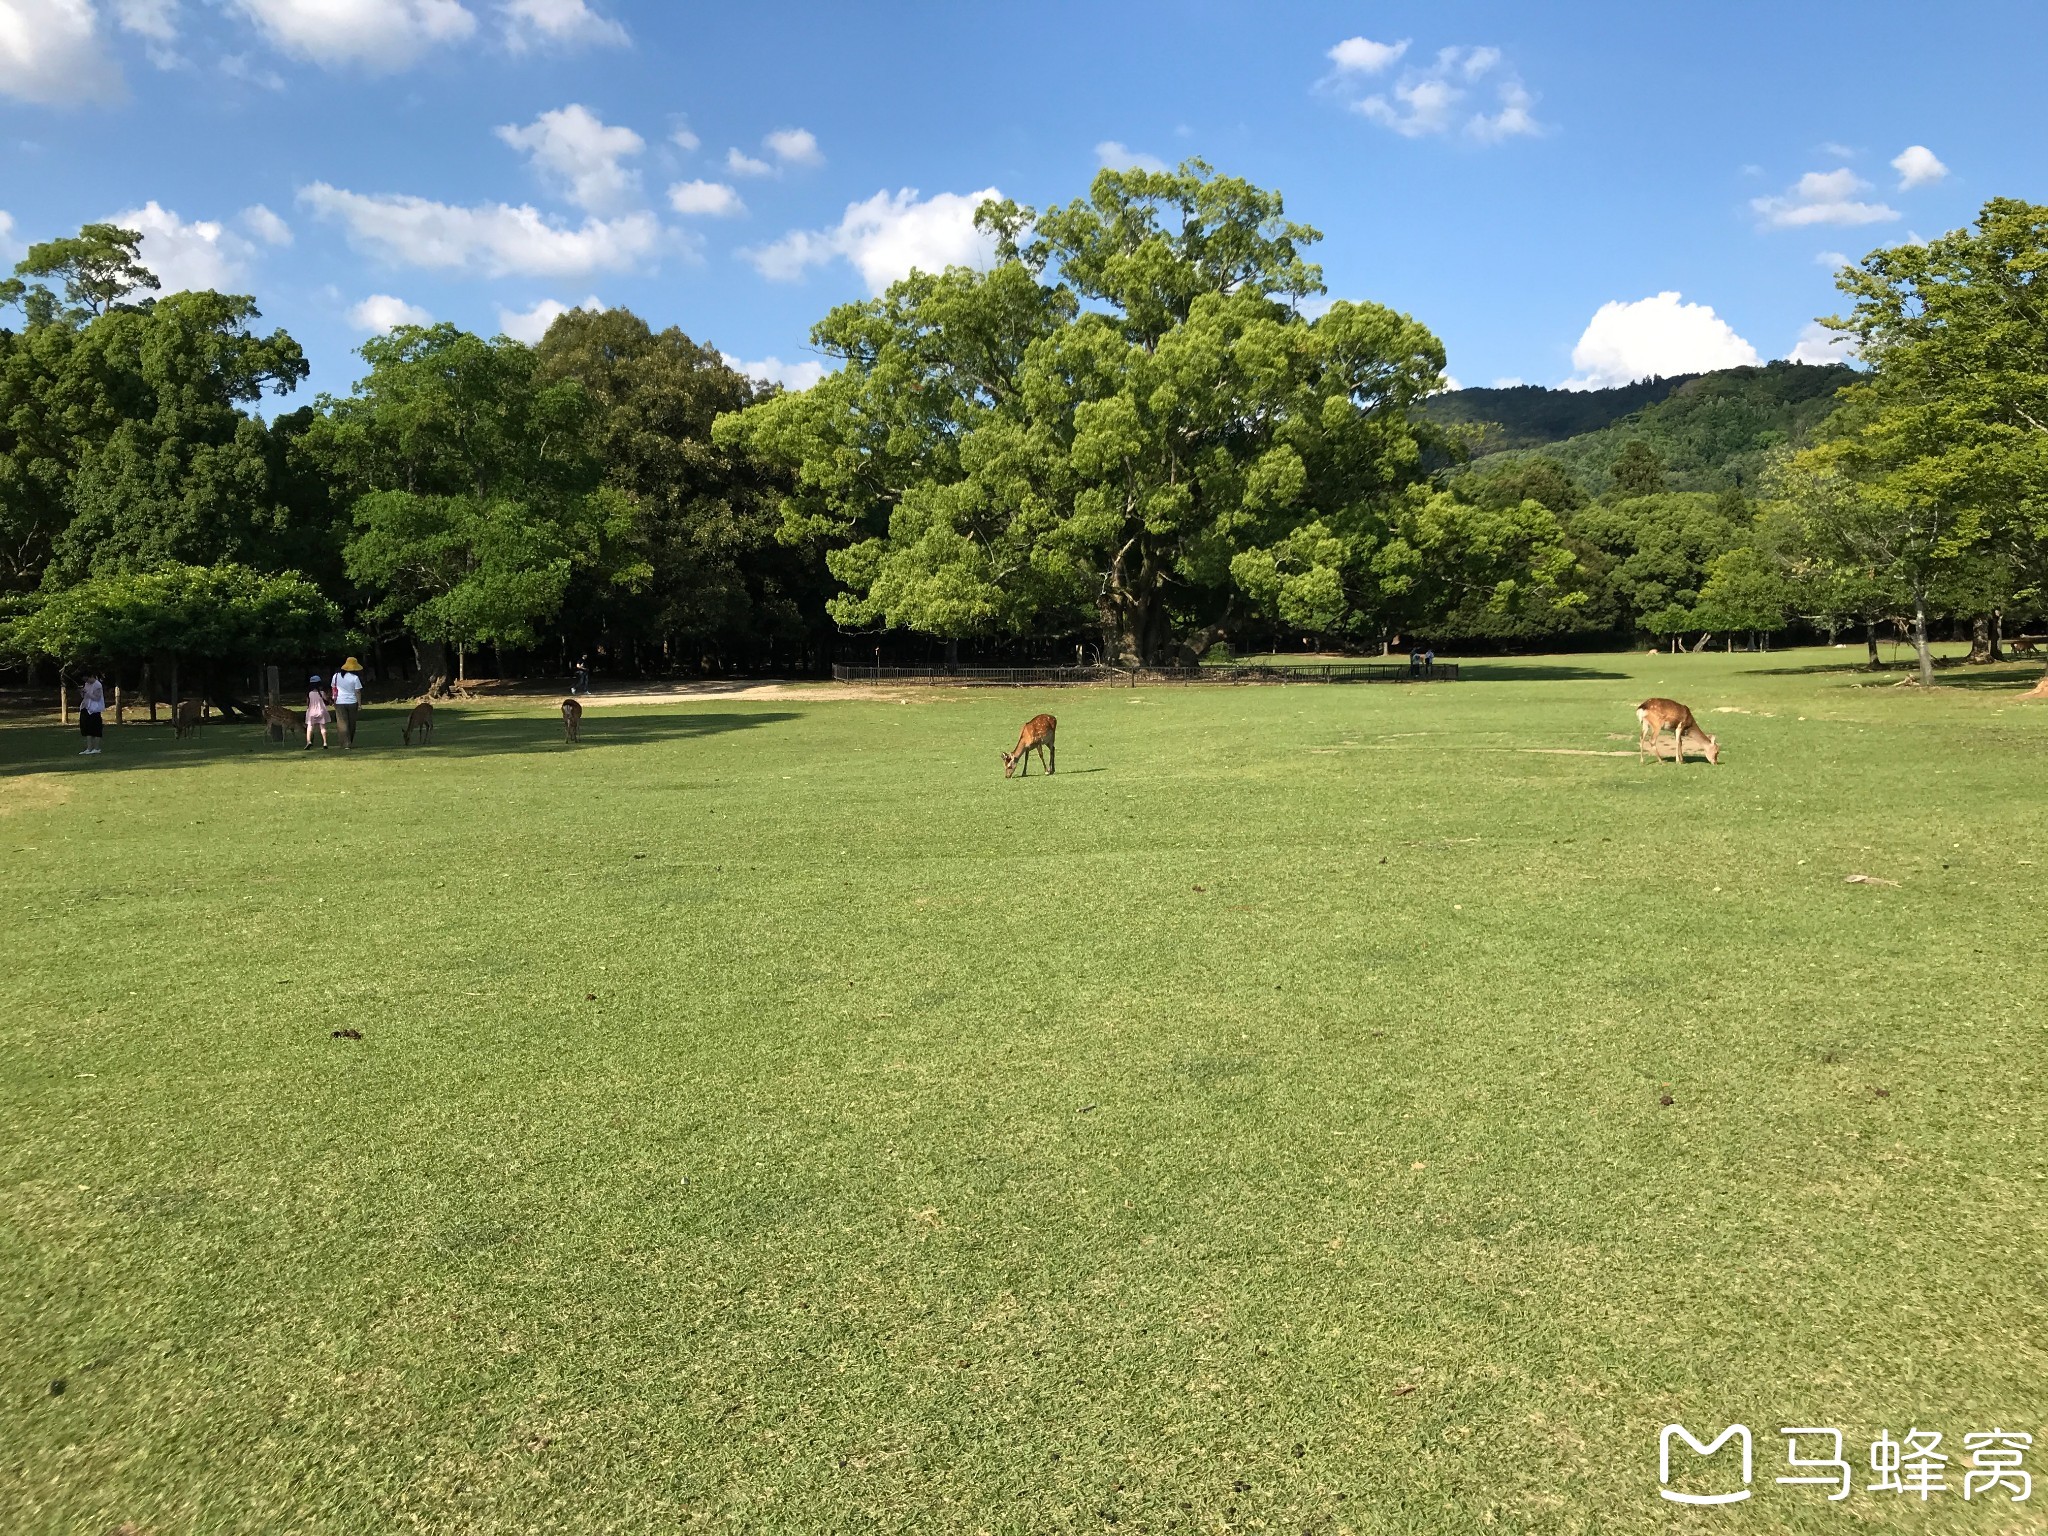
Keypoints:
(185, 716)
(1656, 716)
(572, 720)
(422, 720)
(1035, 737)
(2020, 647)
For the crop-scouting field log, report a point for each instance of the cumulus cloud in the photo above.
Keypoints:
(8, 244)
(495, 239)
(794, 146)
(199, 254)
(885, 237)
(583, 157)
(685, 140)
(1114, 156)
(741, 163)
(1657, 336)
(710, 199)
(265, 225)
(1834, 261)
(558, 23)
(377, 35)
(773, 370)
(1818, 344)
(1363, 56)
(381, 313)
(51, 53)
(1438, 97)
(1917, 167)
(529, 325)
(1822, 197)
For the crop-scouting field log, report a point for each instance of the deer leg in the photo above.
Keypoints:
(1048, 757)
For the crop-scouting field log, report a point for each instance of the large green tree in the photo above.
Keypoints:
(1092, 432)
(474, 491)
(706, 513)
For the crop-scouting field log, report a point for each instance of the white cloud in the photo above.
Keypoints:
(372, 34)
(1822, 197)
(265, 225)
(558, 23)
(685, 140)
(1832, 260)
(1510, 382)
(529, 325)
(1450, 385)
(8, 245)
(1917, 167)
(791, 376)
(381, 313)
(238, 66)
(1657, 336)
(712, 199)
(1839, 151)
(156, 23)
(495, 239)
(1432, 100)
(575, 151)
(794, 146)
(1818, 344)
(1363, 56)
(50, 53)
(742, 164)
(1113, 156)
(885, 237)
(197, 255)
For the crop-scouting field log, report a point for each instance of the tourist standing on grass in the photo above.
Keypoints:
(92, 712)
(1429, 661)
(316, 713)
(348, 698)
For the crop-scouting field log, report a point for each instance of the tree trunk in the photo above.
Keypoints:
(1980, 639)
(1870, 639)
(461, 666)
(1997, 635)
(432, 659)
(63, 699)
(1920, 635)
(952, 653)
(174, 687)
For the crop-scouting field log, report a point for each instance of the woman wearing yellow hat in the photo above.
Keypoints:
(348, 697)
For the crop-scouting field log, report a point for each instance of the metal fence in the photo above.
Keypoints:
(1037, 677)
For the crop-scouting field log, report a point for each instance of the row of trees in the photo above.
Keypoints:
(1134, 428)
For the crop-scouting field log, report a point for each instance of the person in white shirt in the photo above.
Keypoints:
(348, 697)
(92, 709)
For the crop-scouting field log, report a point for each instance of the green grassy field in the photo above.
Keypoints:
(1312, 1110)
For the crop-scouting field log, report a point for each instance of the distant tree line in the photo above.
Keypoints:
(1138, 432)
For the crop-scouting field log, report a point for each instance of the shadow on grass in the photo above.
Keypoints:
(33, 749)
(1550, 672)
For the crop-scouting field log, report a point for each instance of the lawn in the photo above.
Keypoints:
(1312, 1110)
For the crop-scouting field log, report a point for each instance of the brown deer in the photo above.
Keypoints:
(422, 720)
(1035, 737)
(282, 723)
(572, 720)
(185, 716)
(1656, 716)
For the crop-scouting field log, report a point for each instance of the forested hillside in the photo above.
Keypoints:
(1709, 431)
(1529, 415)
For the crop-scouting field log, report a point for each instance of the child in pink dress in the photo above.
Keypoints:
(316, 714)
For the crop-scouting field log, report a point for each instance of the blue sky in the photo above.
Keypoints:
(1560, 192)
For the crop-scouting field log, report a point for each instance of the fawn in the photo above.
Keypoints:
(422, 720)
(1035, 737)
(1655, 716)
(572, 720)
